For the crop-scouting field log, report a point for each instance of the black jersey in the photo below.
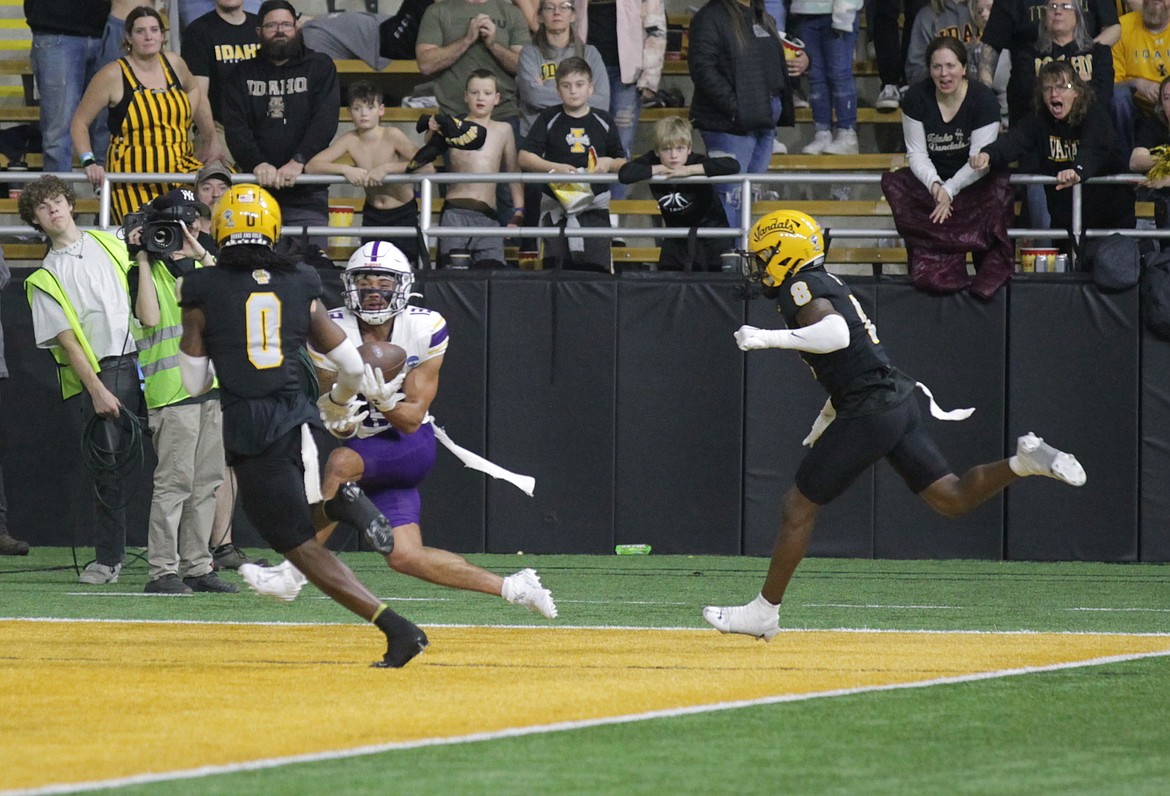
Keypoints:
(255, 323)
(859, 377)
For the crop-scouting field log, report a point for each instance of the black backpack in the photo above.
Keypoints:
(397, 35)
(1155, 296)
(1116, 261)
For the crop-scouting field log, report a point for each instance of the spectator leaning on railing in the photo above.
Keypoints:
(1071, 138)
(944, 208)
(280, 109)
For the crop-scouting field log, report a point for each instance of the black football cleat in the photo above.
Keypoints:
(351, 505)
(403, 648)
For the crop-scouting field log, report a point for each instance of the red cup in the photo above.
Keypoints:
(791, 43)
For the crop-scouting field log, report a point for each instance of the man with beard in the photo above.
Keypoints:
(279, 110)
(1139, 64)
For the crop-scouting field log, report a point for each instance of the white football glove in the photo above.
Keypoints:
(382, 395)
(828, 415)
(341, 420)
(752, 338)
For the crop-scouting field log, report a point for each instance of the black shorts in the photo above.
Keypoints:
(850, 445)
(272, 488)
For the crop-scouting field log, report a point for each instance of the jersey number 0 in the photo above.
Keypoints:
(263, 329)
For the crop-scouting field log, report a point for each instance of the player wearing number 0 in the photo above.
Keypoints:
(248, 318)
(395, 436)
(871, 412)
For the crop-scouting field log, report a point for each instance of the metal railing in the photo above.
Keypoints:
(748, 183)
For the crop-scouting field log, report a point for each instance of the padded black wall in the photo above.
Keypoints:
(553, 349)
(1155, 449)
(679, 414)
(641, 422)
(1073, 379)
(955, 345)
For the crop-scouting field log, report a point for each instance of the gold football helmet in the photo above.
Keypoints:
(246, 214)
(782, 243)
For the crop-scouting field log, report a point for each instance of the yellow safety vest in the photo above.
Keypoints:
(158, 349)
(43, 279)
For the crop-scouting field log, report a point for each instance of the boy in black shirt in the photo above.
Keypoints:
(683, 205)
(569, 139)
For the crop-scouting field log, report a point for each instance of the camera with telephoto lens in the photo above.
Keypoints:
(162, 230)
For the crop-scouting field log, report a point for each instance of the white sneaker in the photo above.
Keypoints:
(844, 143)
(97, 573)
(523, 588)
(778, 148)
(1036, 457)
(284, 581)
(888, 99)
(745, 619)
(820, 142)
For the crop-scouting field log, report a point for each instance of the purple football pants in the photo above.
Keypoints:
(396, 464)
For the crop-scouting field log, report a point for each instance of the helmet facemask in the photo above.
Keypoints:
(382, 294)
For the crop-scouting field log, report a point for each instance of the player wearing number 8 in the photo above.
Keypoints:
(870, 414)
(250, 316)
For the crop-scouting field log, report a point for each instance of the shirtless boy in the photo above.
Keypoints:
(375, 151)
(473, 204)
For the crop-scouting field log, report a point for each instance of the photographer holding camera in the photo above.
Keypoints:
(187, 432)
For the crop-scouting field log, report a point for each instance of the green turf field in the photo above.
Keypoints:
(1083, 729)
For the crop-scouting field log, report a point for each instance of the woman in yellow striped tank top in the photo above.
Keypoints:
(153, 98)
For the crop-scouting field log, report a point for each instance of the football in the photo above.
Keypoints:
(387, 356)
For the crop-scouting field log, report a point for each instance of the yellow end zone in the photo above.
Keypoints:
(92, 701)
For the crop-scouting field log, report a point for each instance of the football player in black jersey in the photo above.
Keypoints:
(869, 413)
(249, 317)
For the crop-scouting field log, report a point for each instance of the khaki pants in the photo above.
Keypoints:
(189, 442)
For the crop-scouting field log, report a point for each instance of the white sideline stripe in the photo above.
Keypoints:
(520, 732)
(874, 605)
(1149, 610)
(315, 597)
(631, 628)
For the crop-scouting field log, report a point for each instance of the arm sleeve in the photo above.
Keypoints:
(638, 169)
(1097, 142)
(349, 371)
(920, 163)
(1009, 147)
(980, 137)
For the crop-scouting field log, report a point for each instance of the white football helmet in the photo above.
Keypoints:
(378, 259)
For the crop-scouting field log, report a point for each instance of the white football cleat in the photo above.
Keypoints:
(1036, 457)
(524, 588)
(284, 581)
(745, 619)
